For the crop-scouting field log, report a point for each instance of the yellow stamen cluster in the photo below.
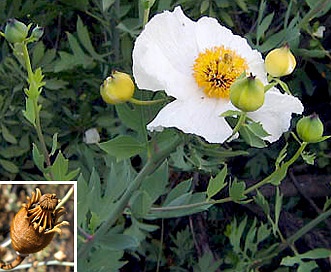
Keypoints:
(216, 69)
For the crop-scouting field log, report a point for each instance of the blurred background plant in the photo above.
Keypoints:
(83, 42)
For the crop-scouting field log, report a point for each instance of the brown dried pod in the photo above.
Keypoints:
(35, 224)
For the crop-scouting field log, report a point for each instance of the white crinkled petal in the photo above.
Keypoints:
(276, 113)
(164, 53)
(200, 117)
(210, 33)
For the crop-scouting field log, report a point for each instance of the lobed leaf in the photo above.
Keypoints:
(122, 147)
(217, 184)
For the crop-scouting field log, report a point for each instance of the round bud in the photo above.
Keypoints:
(280, 62)
(247, 94)
(15, 31)
(117, 88)
(37, 33)
(310, 129)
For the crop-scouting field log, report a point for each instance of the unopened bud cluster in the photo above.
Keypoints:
(17, 32)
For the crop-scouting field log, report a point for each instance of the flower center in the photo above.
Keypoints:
(216, 69)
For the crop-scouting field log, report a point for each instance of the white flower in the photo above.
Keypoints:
(91, 136)
(196, 63)
(319, 32)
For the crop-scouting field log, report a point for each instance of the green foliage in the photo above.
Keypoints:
(245, 239)
(202, 156)
(45, 112)
(141, 202)
(250, 131)
(183, 247)
(59, 170)
(93, 211)
(264, 204)
(217, 184)
(302, 261)
(113, 262)
(9, 166)
(237, 190)
(156, 184)
(122, 147)
(253, 133)
(180, 201)
(207, 263)
(309, 158)
(100, 199)
(83, 52)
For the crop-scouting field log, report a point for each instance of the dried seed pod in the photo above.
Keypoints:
(34, 226)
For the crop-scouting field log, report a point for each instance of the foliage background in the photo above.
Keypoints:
(85, 39)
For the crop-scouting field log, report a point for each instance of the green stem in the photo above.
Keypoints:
(312, 224)
(256, 186)
(189, 206)
(270, 85)
(102, 21)
(241, 121)
(281, 236)
(36, 108)
(297, 154)
(151, 165)
(40, 134)
(146, 16)
(159, 256)
(318, 7)
(65, 198)
(146, 103)
(275, 173)
(289, 242)
(27, 62)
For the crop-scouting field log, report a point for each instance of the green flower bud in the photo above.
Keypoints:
(117, 88)
(15, 31)
(37, 33)
(247, 94)
(310, 129)
(280, 62)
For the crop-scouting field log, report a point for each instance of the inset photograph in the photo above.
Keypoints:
(37, 226)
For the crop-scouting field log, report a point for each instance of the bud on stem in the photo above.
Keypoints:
(247, 94)
(15, 31)
(37, 33)
(310, 129)
(117, 88)
(280, 62)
